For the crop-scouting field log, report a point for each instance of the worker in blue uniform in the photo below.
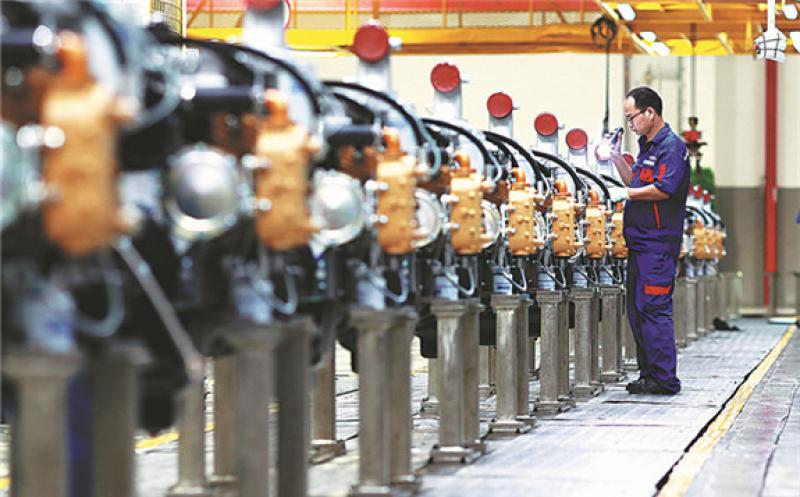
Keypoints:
(658, 184)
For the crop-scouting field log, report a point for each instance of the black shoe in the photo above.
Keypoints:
(651, 387)
(636, 385)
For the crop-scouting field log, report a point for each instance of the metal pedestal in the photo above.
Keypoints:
(450, 448)
(549, 404)
(292, 379)
(324, 444)
(629, 361)
(115, 407)
(700, 308)
(430, 405)
(610, 335)
(192, 481)
(583, 388)
(594, 335)
(533, 369)
(470, 330)
(373, 433)
(505, 421)
(250, 412)
(564, 384)
(38, 437)
(710, 302)
(523, 352)
(225, 473)
(398, 406)
(679, 313)
(485, 388)
(691, 310)
(722, 296)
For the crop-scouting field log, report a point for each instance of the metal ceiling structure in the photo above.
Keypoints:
(667, 27)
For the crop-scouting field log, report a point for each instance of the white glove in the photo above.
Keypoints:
(618, 194)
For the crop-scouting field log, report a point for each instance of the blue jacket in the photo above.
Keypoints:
(663, 162)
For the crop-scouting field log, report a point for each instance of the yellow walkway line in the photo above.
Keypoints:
(687, 469)
(164, 438)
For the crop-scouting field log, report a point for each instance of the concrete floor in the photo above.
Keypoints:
(615, 444)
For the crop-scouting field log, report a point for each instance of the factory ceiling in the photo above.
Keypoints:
(676, 27)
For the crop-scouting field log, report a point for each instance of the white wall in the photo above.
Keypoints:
(789, 123)
(568, 85)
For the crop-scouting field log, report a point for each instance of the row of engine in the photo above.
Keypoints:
(168, 200)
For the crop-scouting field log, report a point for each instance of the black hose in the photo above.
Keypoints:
(579, 183)
(538, 168)
(305, 84)
(356, 105)
(384, 98)
(597, 180)
(502, 146)
(488, 159)
(614, 181)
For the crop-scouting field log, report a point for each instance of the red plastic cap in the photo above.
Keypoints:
(577, 139)
(371, 42)
(445, 77)
(263, 4)
(545, 124)
(630, 160)
(707, 197)
(499, 105)
(697, 191)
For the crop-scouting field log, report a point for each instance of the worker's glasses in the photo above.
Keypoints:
(629, 119)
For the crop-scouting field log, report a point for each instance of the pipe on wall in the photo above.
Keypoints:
(770, 181)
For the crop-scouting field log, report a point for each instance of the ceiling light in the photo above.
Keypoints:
(661, 48)
(626, 11)
(648, 36)
(795, 36)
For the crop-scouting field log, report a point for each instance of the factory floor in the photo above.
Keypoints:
(734, 430)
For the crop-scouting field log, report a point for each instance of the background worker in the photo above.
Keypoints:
(658, 184)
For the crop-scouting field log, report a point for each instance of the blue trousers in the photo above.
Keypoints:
(651, 277)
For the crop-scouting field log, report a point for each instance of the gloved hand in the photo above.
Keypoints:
(616, 149)
(618, 194)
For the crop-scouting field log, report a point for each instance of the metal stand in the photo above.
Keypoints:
(250, 417)
(629, 361)
(691, 310)
(549, 403)
(710, 302)
(594, 335)
(505, 421)
(225, 456)
(610, 334)
(700, 308)
(450, 448)
(292, 378)
(523, 386)
(373, 433)
(324, 444)
(533, 369)
(493, 368)
(115, 409)
(39, 438)
(736, 294)
(192, 480)
(430, 404)
(485, 388)
(722, 296)
(583, 389)
(679, 313)
(398, 406)
(470, 331)
(564, 385)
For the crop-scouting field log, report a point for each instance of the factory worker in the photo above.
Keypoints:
(658, 184)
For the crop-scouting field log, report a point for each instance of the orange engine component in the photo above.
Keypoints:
(700, 241)
(521, 223)
(565, 243)
(619, 248)
(397, 179)
(721, 236)
(595, 240)
(286, 150)
(83, 213)
(466, 215)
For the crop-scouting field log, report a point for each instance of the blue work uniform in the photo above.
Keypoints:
(653, 232)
